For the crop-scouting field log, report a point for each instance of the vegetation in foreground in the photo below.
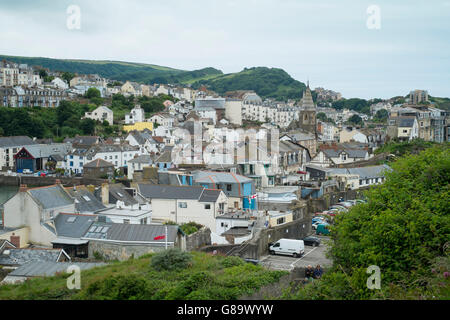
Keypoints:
(404, 229)
(169, 275)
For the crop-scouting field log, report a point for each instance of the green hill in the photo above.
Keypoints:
(266, 82)
(119, 70)
(153, 277)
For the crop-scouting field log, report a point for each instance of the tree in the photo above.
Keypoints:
(356, 120)
(93, 93)
(403, 229)
(43, 73)
(381, 115)
(67, 76)
(322, 117)
(87, 126)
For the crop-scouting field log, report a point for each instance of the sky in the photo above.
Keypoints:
(340, 45)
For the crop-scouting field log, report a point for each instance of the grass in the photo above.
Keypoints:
(207, 277)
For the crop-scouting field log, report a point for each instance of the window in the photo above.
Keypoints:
(182, 205)
(281, 220)
(207, 206)
(126, 221)
(229, 187)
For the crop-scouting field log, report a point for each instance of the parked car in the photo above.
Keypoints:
(296, 248)
(252, 261)
(322, 229)
(312, 241)
(317, 219)
(26, 171)
(361, 201)
(345, 204)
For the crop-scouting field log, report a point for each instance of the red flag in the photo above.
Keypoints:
(159, 238)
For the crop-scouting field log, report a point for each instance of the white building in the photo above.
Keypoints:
(137, 114)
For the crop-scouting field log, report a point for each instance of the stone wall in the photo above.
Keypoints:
(47, 181)
(199, 239)
(114, 251)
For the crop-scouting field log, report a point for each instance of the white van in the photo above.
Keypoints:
(295, 248)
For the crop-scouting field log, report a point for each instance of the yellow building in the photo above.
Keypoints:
(139, 126)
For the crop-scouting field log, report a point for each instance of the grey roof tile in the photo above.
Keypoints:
(51, 197)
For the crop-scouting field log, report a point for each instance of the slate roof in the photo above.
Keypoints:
(166, 156)
(49, 268)
(51, 197)
(219, 177)
(73, 225)
(22, 256)
(147, 159)
(86, 202)
(98, 163)
(16, 141)
(406, 122)
(83, 140)
(210, 195)
(131, 232)
(46, 150)
(352, 153)
(158, 191)
(363, 172)
(142, 136)
(120, 194)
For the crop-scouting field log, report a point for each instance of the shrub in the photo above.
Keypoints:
(232, 261)
(171, 259)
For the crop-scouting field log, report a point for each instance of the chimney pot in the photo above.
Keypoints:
(57, 181)
(23, 188)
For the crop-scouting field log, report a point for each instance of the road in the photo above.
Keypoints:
(313, 256)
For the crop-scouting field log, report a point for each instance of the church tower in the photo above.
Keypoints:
(307, 115)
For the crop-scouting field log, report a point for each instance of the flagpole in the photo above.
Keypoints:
(166, 237)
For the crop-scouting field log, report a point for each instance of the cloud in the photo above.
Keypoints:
(325, 40)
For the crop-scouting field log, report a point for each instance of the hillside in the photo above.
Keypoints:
(266, 82)
(164, 276)
(118, 70)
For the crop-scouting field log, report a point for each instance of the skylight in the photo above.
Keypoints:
(86, 198)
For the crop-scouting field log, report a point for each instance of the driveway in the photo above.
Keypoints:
(313, 256)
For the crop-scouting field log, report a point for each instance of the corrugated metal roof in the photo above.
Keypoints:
(131, 232)
(39, 269)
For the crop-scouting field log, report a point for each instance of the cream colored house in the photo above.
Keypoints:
(36, 208)
(101, 114)
(131, 88)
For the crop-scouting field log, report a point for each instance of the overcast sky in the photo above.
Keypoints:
(327, 42)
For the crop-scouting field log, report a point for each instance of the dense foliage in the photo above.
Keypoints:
(404, 147)
(172, 259)
(404, 229)
(356, 104)
(266, 82)
(206, 277)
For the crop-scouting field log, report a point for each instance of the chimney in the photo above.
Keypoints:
(105, 193)
(23, 188)
(15, 240)
(57, 181)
